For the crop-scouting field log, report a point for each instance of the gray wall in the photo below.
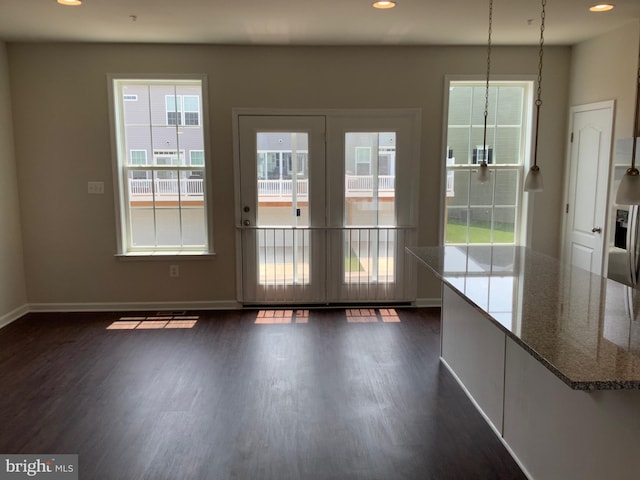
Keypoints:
(62, 141)
(605, 68)
(13, 294)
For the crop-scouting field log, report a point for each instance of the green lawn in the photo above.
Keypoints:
(458, 234)
(352, 262)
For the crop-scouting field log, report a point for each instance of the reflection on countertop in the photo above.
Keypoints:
(583, 327)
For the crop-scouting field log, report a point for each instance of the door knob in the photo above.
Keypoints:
(247, 223)
(596, 230)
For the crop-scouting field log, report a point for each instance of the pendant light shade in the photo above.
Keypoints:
(533, 183)
(629, 188)
(483, 172)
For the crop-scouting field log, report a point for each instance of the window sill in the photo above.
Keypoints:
(168, 255)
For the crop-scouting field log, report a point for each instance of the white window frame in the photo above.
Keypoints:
(121, 168)
(521, 234)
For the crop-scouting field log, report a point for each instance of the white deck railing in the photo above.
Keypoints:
(165, 187)
(268, 190)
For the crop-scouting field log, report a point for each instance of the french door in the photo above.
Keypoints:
(320, 216)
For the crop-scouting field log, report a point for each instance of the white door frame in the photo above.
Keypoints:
(610, 105)
(411, 213)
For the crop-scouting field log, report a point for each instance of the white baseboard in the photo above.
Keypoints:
(134, 306)
(13, 315)
(428, 302)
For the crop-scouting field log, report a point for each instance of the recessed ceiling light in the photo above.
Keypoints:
(601, 7)
(384, 4)
(70, 3)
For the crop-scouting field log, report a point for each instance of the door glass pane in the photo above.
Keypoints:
(369, 203)
(282, 176)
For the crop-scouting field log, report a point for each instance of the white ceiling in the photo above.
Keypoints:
(308, 22)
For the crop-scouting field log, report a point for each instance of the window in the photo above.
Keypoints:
(363, 160)
(183, 109)
(138, 157)
(486, 212)
(162, 198)
(196, 157)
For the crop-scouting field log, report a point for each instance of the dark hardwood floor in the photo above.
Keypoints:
(232, 399)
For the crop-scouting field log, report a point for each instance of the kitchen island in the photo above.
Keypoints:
(550, 355)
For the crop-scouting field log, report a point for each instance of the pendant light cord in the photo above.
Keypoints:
(485, 153)
(538, 100)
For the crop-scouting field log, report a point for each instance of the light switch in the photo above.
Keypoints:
(95, 187)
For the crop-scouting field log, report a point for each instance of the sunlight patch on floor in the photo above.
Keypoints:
(154, 323)
(361, 315)
(389, 315)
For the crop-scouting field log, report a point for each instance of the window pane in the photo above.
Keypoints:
(191, 118)
(174, 103)
(191, 103)
(458, 142)
(508, 145)
(511, 103)
(141, 221)
(506, 187)
(370, 190)
(138, 157)
(456, 225)
(192, 208)
(459, 105)
(504, 224)
(459, 194)
(481, 193)
(480, 225)
(197, 157)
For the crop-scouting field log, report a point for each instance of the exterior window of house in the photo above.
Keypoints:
(363, 161)
(183, 110)
(196, 157)
(161, 192)
(490, 212)
(138, 157)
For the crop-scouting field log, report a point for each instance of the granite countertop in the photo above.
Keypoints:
(583, 327)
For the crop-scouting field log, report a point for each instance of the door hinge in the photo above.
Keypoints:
(566, 208)
(571, 137)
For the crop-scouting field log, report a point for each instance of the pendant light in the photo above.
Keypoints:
(533, 183)
(483, 171)
(629, 189)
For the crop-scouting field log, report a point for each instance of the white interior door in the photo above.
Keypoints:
(325, 218)
(588, 183)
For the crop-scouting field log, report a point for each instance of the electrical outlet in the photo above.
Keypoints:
(174, 271)
(95, 187)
